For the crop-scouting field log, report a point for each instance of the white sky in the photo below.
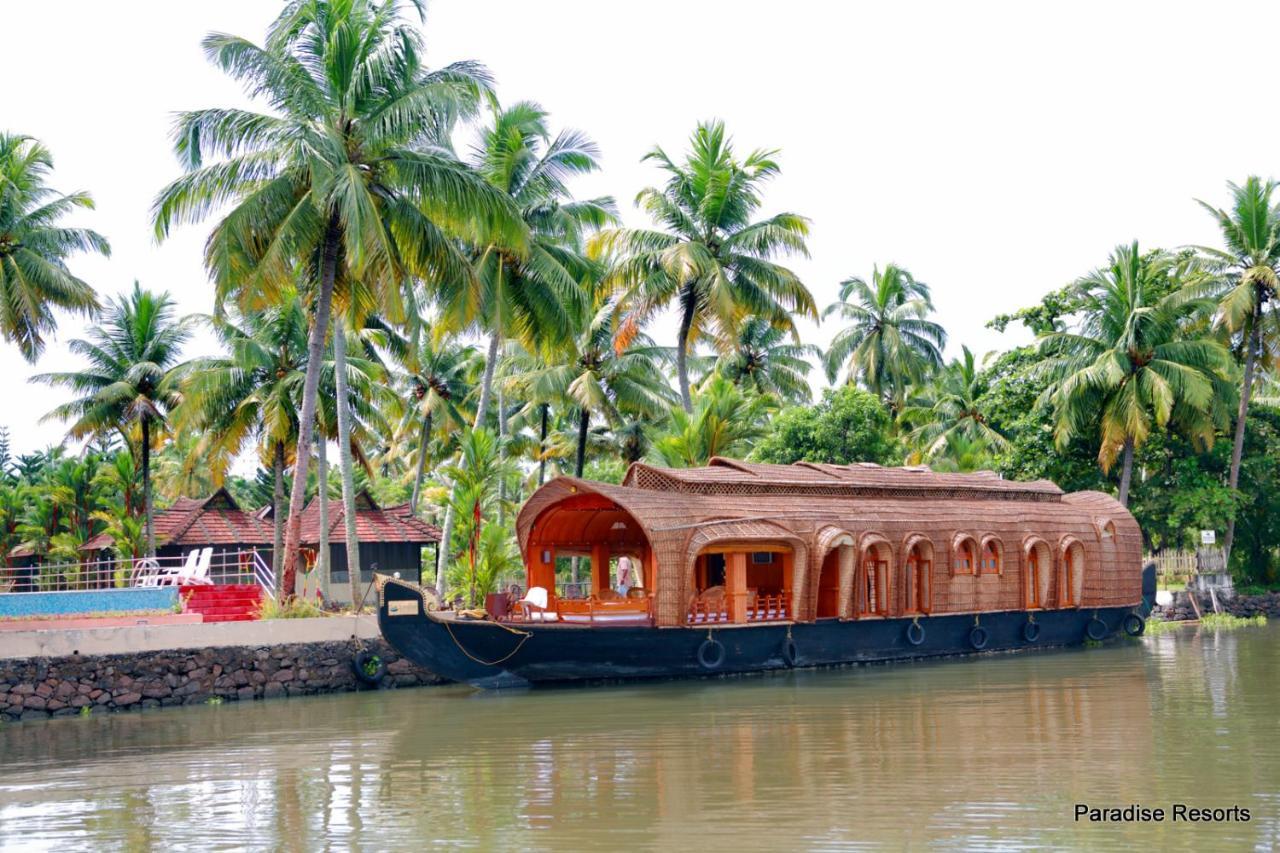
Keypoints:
(995, 150)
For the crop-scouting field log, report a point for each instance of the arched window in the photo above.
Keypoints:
(872, 594)
(965, 555)
(1038, 566)
(1071, 588)
(919, 569)
(991, 562)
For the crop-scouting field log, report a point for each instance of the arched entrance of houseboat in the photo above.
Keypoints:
(743, 572)
(617, 575)
(834, 581)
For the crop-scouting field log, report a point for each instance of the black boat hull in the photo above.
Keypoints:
(488, 654)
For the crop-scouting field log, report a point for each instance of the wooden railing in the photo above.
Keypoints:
(761, 608)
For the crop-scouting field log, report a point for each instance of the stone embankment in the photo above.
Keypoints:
(1267, 604)
(65, 685)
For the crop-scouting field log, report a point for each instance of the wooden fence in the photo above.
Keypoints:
(1180, 566)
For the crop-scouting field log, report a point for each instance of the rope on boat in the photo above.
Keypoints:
(524, 638)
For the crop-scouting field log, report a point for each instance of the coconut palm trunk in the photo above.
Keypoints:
(344, 460)
(424, 435)
(277, 510)
(1246, 389)
(584, 424)
(148, 506)
(682, 347)
(307, 417)
(1126, 472)
(542, 445)
(322, 494)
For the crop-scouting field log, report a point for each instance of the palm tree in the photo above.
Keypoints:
(347, 175)
(34, 278)
(435, 375)
(949, 410)
(596, 378)
(1249, 302)
(763, 360)
(890, 343)
(533, 299)
(132, 377)
(712, 258)
(1132, 366)
(724, 422)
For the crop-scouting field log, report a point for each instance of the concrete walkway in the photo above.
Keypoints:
(134, 639)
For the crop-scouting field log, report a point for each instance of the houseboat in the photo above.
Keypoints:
(741, 567)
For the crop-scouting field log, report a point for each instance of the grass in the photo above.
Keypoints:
(1213, 621)
(296, 608)
(1228, 622)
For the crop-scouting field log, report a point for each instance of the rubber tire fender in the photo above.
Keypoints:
(1031, 632)
(1134, 625)
(1096, 630)
(358, 662)
(711, 654)
(915, 633)
(978, 637)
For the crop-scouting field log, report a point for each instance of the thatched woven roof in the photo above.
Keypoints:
(808, 507)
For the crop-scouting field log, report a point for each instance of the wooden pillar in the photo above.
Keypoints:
(735, 586)
(599, 567)
(847, 577)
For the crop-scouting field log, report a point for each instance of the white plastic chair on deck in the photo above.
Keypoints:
(534, 605)
(154, 574)
(199, 572)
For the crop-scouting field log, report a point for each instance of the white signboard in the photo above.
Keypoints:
(1208, 537)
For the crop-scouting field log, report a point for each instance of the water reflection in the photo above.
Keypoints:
(989, 753)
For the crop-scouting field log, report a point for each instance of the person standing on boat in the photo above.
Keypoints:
(624, 576)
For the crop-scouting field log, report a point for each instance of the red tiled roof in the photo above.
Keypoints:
(373, 523)
(215, 520)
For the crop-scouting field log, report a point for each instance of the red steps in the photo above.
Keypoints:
(222, 603)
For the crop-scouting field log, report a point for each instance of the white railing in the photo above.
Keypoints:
(264, 575)
(225, 567)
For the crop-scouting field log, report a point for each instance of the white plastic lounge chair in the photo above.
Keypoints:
(534, 605)
(149, 572)
(198, 573)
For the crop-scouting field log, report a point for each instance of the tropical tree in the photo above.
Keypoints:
(534, 299)
(725, 422)
(848, 425)
(1131, 368)
(479, 468)
(949, 409)
(890, 342)
(594, 377)
(131, 381)
(763, 359)
(713, 259)
(435, 374)
(1249, 294)
(347, 175)
(34, 247)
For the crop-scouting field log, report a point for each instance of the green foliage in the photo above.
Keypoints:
(709, 255)
(725, 421)
(1227, 622)
(293, 608)
(34, 247)
(889, 344)
(849, 425)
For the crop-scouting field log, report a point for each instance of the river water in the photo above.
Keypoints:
(986, 753)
